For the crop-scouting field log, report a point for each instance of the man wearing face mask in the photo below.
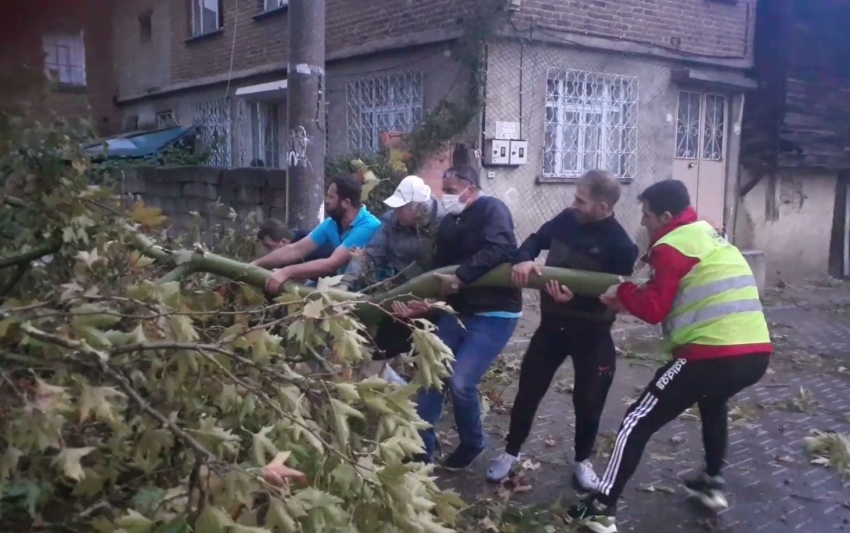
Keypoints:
(349, 225)
(400, 250)
(587, 237)
(477, 234)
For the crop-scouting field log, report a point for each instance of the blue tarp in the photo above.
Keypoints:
(138, 145)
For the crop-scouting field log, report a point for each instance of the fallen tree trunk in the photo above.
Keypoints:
(373, 307)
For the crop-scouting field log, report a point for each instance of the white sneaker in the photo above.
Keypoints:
(501, 467)
(585, 478)
(390, 375)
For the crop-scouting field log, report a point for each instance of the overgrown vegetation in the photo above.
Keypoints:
(447, 121)
(830, 449)
(387, 168)
(144, 391)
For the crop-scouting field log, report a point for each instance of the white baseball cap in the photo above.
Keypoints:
(410, 189)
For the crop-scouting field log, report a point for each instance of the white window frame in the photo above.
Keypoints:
(65, 58)
(198, 26)
(608, 115)
(375, 102)
(165, 119)
(271, 5)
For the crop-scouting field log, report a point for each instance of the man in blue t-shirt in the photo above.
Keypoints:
(349, 225)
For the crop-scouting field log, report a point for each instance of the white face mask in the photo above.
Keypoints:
(452, 204)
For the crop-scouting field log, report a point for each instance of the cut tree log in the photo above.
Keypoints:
(374, 307)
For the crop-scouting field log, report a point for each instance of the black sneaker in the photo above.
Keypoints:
(461, 458)
(593, 516)
(708, 490)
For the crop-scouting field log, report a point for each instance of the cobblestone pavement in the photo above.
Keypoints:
(772, 484)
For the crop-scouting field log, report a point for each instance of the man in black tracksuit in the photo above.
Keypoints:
(584, 237)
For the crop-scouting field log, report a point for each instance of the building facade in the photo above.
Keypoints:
(649, 89)
(796, 149)
(56, 61)
(222, 64)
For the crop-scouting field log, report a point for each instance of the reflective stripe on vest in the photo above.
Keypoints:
(694, 294)
(717, 302)
(709, 312)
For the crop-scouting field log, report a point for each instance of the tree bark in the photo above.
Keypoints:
(372, 309)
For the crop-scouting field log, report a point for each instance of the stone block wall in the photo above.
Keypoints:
(209, 191)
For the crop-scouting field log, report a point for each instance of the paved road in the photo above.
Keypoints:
(773, 487)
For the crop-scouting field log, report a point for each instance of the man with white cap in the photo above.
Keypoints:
(401, 249)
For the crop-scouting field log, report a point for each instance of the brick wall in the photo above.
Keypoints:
(142, 61)
(715, 28)
(262, 41)
(23, 23)
(355, 22)
(101, 86)
(179, 191)
(258, 41)
(706, 27)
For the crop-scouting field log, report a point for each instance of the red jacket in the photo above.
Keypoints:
(653, 301)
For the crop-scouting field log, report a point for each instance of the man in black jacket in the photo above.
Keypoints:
(585, 237)
(477, 234)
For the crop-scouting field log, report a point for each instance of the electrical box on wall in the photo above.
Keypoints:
(518, 152)
(505, 152)
(497, 152)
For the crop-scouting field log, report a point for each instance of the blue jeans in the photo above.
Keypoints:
(475, 348)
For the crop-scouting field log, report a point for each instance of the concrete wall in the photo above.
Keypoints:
(179, 191)
(442, 78)
(534, 203)
(789, 217)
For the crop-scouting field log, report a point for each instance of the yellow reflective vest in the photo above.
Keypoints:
(717, 303)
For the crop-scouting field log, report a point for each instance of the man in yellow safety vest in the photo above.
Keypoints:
(704, 294)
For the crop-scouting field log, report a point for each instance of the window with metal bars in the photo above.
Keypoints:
(389, 103)
(591, 123)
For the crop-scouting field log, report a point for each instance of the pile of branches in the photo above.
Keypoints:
(151, 388)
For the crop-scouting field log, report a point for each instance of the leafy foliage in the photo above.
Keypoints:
(190, 152)
(830, 449)
(141, 394)
(380, 173)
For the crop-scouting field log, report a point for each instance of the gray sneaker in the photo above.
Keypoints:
(585, 478)
(501, 467)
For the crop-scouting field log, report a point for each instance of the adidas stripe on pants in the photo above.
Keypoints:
(678, 385)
